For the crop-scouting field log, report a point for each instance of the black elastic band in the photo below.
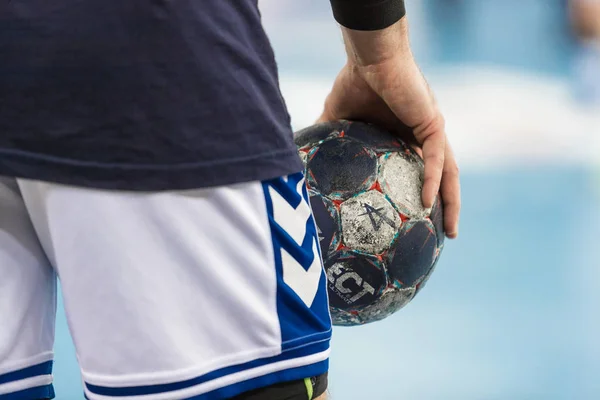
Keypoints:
(320, 384)
(367, 15)
(294, 390)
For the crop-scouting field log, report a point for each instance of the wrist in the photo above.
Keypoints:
(368, 48)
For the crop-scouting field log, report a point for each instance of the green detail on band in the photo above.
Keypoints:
(309, 388)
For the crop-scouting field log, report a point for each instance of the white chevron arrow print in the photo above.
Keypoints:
(304, 282)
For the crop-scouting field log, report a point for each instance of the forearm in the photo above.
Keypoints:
(374, 31)
(366, 48)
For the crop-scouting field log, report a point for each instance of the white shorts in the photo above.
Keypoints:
(201, 294)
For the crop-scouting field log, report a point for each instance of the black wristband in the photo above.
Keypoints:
(367, 15)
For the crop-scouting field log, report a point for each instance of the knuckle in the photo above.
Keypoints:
(431, 180)
(452, 170)
(435, 159)
(441, 121)
(458, 205)
(451, 202)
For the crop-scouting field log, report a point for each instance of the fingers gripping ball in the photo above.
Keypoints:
(379, 243)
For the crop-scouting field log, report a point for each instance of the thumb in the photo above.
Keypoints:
(322, 118)
(326, 115)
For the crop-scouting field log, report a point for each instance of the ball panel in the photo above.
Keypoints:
(381, 140)
(437, 218)
(303, 157)
(419, 286)
(344, 318)
(340, 168)
(369, 222)
(402, 181)
(390, 302)
(354, 280)
(414, 254)
(326, 219)
(312, 135)
(373, 136)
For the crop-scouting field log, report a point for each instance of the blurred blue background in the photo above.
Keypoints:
(512, 310)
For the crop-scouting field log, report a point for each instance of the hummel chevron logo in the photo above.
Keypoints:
(373, 212)
(302, 279)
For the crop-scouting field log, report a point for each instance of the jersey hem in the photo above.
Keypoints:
(149, 177)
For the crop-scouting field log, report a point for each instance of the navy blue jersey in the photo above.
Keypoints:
(140, 94)
(148, 94)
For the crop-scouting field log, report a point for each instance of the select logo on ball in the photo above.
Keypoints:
(353, 281)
